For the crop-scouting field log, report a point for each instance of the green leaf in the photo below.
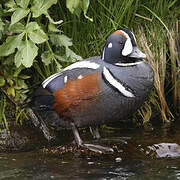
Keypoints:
(58, 67)
(47, 57)
(19, 14)
(12, 42)
(32, 26)
(2, 81)
(61, 58)
(85, 5)
(1, 28)
(11, 91)
(29, 52)
(21, 84)
(1, 11)
(61, 40)
(26, 54)
(53, 28)
(52, 21)
(72, 5)
(23, 3)
(41, 6)
(10, 4)
(73, 56)
(17, 28)
(18, 58)
(24, 76)
(35, 33)
(38, 36)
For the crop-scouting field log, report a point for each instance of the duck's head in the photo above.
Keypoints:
(121, 47)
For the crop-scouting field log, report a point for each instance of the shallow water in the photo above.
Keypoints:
(151, 152)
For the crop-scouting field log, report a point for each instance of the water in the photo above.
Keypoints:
(150, 153)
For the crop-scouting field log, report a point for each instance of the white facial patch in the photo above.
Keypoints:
(116, 84)
(128, 45)
(80, 64)
(110, 45)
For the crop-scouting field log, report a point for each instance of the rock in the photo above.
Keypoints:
(164, 150)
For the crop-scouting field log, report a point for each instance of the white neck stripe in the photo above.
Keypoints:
(80, 64)
(103, 54)
(128, 64)
(116, 84)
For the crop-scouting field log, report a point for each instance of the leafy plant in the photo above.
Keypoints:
(30, 38)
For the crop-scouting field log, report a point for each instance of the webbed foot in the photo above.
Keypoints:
(98, 148)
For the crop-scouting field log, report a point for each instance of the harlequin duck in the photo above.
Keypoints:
(99, 90)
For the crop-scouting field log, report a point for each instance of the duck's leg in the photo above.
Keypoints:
(91, 147)
(78, 140)
(95, 133)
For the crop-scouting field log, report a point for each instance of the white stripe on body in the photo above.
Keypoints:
(116, 84)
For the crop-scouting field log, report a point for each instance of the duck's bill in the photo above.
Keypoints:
(137, 53)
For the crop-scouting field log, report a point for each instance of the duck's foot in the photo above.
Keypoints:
(91, 147)
(98, 148)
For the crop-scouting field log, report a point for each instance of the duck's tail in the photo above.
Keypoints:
(41, 100)
(41, 104)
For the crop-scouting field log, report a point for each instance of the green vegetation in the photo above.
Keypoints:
(40, 37)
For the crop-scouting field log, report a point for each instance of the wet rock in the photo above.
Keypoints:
(164, 150)
(20, 138)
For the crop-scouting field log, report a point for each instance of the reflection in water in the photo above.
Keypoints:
(142, 153)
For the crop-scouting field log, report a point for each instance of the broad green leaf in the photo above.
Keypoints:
(61, 58)
(61, 40)
(2, 81)
(72, 5)
(47, 57)
(73, 56)
(19, 14)
(26, 54)
(10, 4)
(29, 53)
(41, 6)
(22, 3)
(12, 42)
(17, 28)
(35, 33)
(53, 28)
(18, 58)
(85, 5)
(32, 26)
(38, 36)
